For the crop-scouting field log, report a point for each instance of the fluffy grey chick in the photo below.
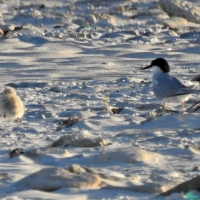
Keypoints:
(11, 105)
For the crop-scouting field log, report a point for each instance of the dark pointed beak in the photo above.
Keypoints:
(147, 67)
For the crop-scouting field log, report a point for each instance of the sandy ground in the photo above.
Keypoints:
(83, 58)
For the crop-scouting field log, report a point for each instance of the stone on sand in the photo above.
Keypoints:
(80, 140)
(175, 22)
(193, 184)
(129, 155)
(181, 8)
(53, 178)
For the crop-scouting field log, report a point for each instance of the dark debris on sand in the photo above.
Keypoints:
(70, 121)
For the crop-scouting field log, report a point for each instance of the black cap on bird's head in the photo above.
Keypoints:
(159, 62)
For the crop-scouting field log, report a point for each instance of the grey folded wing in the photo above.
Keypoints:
(184, 93)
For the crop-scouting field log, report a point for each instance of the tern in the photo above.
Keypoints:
(166, 86)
